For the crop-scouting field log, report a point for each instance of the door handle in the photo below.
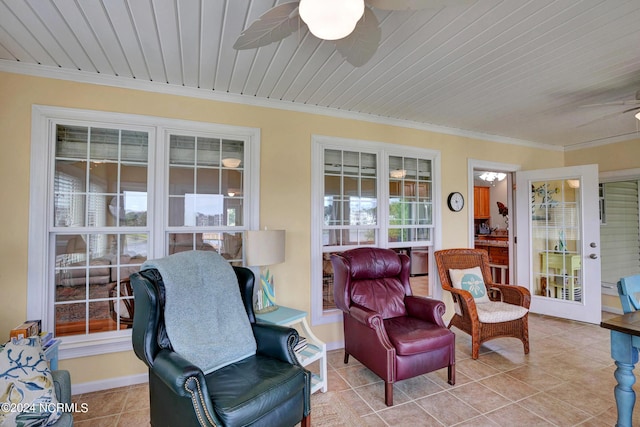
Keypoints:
(593, 256)
(593, 245)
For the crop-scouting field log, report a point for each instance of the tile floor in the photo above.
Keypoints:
(566, 380)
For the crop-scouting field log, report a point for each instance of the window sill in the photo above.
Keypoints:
(73, 347)
(327, 316)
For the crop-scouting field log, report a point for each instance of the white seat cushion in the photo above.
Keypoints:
(496, 312)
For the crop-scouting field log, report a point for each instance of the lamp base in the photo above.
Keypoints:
(266, 309)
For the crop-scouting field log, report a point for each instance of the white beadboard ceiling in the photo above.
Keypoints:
(511, 70)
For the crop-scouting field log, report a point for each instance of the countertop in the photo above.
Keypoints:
(487, 241)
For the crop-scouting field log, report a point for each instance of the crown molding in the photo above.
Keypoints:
(603, 141)
(37, 70)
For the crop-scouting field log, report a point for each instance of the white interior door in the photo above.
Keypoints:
(558, 241)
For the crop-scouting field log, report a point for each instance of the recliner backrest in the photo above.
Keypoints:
(378, 280)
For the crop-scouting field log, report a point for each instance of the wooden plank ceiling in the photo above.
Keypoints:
(512, 70)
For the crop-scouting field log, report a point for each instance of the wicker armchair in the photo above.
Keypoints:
(467, 316)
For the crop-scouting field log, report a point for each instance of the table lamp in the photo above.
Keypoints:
(264, 248)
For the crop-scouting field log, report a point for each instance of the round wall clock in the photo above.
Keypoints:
(455, 201)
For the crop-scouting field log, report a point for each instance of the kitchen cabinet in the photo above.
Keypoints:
(498, 257)
(481, 208)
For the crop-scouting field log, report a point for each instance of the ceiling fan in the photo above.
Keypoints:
(629, 102)
(351, 24)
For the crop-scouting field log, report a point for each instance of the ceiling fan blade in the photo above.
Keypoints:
(608, 116)
(359, 46)
(415, 4)
(604, 104)
(630, 109)
(274, 25)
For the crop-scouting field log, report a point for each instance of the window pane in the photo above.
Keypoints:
(68, 210)
(181, 181)
(332, 162)
(69, 193)
(232, 182)
(135, 208)
(332, 186)
(368, 188)
(351, 186)
(424, 169)
(102, 177)
(71, 142)
(104, 144)
(203, 210)
(332, 211)
(97, 208)
(234, 208)
(208, 181)
(182, 150)
(134, 146)
(328, 302)
(368, 165)
(229, 245)
(133, 177)
(351, 163)
(208, 152)
(232, 153)
(70, 319)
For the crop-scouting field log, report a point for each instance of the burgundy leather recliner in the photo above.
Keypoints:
(393, 333)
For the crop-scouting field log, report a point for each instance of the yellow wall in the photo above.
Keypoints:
(610, 157)
(285, 182)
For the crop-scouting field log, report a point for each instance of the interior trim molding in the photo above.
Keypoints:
(165, 88)
(109, 383)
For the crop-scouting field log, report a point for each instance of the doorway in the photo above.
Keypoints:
(491, 214)
(559, 241)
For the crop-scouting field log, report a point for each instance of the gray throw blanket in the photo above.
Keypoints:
(204, 314)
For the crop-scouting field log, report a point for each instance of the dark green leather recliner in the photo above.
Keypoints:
(268, 389)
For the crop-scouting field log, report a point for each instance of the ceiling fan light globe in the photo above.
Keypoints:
(331, 19)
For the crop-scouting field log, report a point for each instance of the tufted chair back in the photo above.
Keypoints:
(374, 278)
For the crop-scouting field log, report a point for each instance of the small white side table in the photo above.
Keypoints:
(315, 349)
(51, 353)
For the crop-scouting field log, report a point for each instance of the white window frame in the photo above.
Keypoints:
(39, 275)
(383, 150)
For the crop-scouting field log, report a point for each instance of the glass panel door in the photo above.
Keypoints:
(556, 239)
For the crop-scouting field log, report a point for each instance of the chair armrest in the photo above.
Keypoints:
(187, 381)
(276, 341)
(62, 385)
(514, 294)
(466, 302)
(174, 371)
(428, 309)
(367, 317)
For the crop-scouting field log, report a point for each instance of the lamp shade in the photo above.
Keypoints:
(331, 19)
(264, 247)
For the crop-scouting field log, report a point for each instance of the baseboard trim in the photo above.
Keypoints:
(335, 345)
(106, 384)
